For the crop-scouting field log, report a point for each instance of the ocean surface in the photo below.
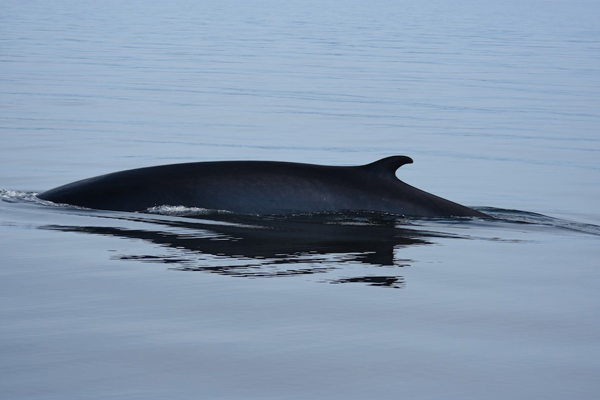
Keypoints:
(497, 102)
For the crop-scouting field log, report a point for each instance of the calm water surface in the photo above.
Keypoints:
(497, 103)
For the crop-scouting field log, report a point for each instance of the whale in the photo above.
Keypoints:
(260, 188)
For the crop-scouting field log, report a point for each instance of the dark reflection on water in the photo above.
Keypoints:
(245, 246)
(395, 282)
(277, 246)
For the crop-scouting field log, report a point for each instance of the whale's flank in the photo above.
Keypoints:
(260, 187)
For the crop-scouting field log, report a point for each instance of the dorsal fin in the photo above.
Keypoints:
(387, 166)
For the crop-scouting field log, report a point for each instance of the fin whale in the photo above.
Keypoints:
(260, 187)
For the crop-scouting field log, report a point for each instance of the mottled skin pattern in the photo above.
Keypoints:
(260, 187)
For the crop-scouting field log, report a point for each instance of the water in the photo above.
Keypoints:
(497, 103)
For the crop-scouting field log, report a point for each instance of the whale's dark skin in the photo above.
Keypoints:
(260, 187)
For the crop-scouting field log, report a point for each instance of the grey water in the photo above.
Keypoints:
(497, 102)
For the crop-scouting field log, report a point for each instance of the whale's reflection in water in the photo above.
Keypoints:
(253, 247)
